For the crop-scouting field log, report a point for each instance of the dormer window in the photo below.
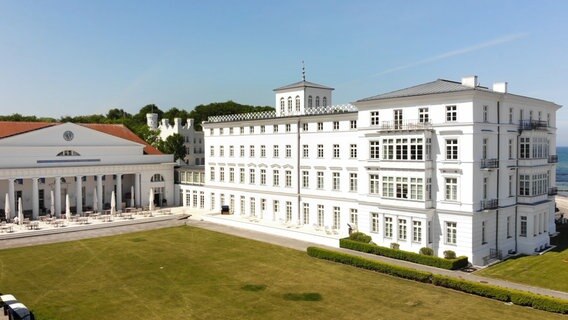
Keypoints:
(282, 106)
(68, 153)
(297, 103)
(317, 101)
(289, 104)
(309, 101)
(324, 100)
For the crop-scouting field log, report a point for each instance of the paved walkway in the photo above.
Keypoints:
(178, 220)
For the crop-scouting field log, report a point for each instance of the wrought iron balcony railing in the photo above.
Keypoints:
(489, 163)
(533, 125)
(489, 204)
(405, 125)
(553, 158)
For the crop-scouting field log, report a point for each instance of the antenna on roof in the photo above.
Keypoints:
(303, 71)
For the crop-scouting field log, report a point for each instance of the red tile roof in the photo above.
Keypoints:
(12, 128)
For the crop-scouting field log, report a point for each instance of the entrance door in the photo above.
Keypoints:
(398, 119)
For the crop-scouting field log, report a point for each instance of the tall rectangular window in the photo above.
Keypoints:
(251, 153)
(451, 149)
(242, 151)
(423, 115)
(263, 151)
(320, 150)
(417, 231)
(288, 178)
(354, 217)
(221, 151)
(252, 176)
(243, 211)
(253, 207)
(212, 198)
(353, 182)
(485, 113)
(510, 148)
(523, 226)
(336, 181)
(251, 129)
(353, 151)
(262, 129)
(451, 232)
(305, 179)
(275, 151)
(402, 229)
(336, 217)
(335, 125)
(511, 115)
(288, 151)
(374, 184)
(388, 187)
(320, 215)
(231, 151)
(320, 126)
(336, 151)
(374, 149)
(288, 127)
(388, 227)
(231, 174)
(212, 151)
(305, 151)
(288, 211)
(263, 177)
(222, 174)
(511, 186)
(452, 189)
(484, 148)
(276, 178)
(525, 148)
(276, 207)
(374, 118)
(305, 126)
(451, 113)
(306, 213)
(275, 128)
(212, 173)
(353, 124)
(483, 231)
(509, 226)
(374, 222)
(320, 179)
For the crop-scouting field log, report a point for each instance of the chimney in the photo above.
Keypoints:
(500, 87)
(189, 123)
(177, 122)
(470, 81)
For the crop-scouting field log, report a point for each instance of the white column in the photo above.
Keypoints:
(35, 199)
(118, 192)
(79, 195)
(57, 197)
(11, 196)
(100, 191)
(137, 190)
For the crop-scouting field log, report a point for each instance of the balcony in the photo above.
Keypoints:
(553, 158)
(489, 163)
(489, 204)
(552, 191)
(533, 125)
(405, 125)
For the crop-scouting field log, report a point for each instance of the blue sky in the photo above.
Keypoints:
(84, 57)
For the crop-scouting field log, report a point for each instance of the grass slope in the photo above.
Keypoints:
(190, 273)
(547, 270)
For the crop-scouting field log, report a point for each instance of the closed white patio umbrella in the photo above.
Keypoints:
(20, 212)
(67, 208)
(132, 196)
(151, 199)
(112, 204)
(52, 209)
(95, 201)
(7, 209)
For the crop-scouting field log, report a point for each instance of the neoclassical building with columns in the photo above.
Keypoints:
(79, 160)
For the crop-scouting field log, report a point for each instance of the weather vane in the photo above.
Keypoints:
(303, 71)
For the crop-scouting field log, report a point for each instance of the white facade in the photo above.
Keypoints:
(193, 140)
(79, 161)
(445, 165)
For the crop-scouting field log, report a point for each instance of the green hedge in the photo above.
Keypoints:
(517, 297)
(373, 265)
(449, 264)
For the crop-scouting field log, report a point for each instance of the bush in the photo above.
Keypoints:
(395, 246)
(368, 264)
(426, 251)
(360, 237)
(453, 264)
(449, 254)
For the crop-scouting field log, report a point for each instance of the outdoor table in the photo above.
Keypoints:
(106, 217)
(34, 225)
(126, 215)
(59, 223)
(83, 220)
(7, 228)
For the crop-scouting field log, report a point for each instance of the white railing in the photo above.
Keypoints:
(272, 114)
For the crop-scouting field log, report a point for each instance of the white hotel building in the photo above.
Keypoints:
(446, 165)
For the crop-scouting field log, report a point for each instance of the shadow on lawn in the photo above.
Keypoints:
(561, 240)
(253, 287)
(308, 296)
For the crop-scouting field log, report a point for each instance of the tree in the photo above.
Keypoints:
(176, 113)
(140, 117)
(117, 114)
(174, 144)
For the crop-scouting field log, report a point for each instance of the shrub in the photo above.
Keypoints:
(449, 254)
(426, 251)
(453, 264)
(360, 237)
(368, 264)
(395, 246)
(479, 289)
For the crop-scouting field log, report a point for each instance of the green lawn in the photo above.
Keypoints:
(548, 270)
(191, 273)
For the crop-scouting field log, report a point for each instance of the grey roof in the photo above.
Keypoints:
(438, 86)
(303, 84)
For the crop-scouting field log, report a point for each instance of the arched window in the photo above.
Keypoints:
(297, 103)
(324, 100)
(68, 153)
(281, 105)
(157, 178)
(309, 101)
(317, 101)
(290, 104)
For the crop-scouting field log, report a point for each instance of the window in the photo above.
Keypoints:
(212, 151)
(451, 149)
(336, 151)
(451, 113)
(211, 132)
(275, 151)
(451, 232)
(402, 229)
(221, 151)
(305, 151)
(336, 217)
(374, 149)
(484, 149)
(417, 231)
(524, 185)
(320, 179)
(485, 180)
(222, 174)
(231, 151)
(483, 229)
(276, 178)
(275, 128)
(305, 126)
(155, 178)
(242, 151)
(242, 175)
(289, 104)
(242, 130)
(297, 103)
(282, 105)
(374, 118)
(305, 179)
(263, 177)
(510, 148)
(336, 181)
(288, 211)
(511, 115)
(262, 129)
(324, 101)
(253, 207)
(276, 206)
(423, 115)
(485, 114)
(525, 148)
(320, 126)
(320, 150)
(451, 189)
(251, 129)
(374, 222)
(510, 186)
(306, 212)
(374, 184)
(317, 101)
(251, 152)
(288, 127)
(231, 174)
(388, 227)
(288, 151)
(335, 125)
(353, 217)
(320, 215)
(288, 178)
(401, 187)
(212, 174)
(353, 124)
(309, 101)
(68, 153)
(353, 182)
(416, 189)
(353, 151)
(263, 151)
(220, 131)
(242, 205)
(523, 226)
(212, 197)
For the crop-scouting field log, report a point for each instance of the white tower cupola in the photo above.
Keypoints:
(298, 97)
